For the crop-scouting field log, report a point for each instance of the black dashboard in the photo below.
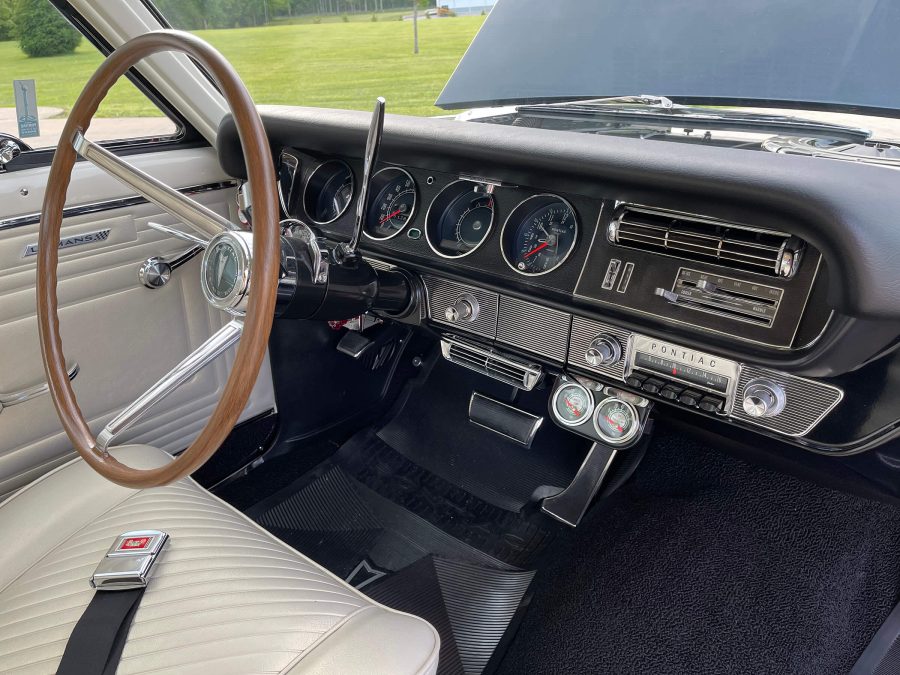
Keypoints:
(734, 285)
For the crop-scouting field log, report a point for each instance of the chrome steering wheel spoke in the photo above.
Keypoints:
(214, 347)
(205, 222)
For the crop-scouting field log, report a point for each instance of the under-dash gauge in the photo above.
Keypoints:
(459, 219)
(572, 404)
(392, 203)
(328, 192)
(539, 235)
(616, 421)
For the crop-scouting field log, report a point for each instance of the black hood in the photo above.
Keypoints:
(820, 54)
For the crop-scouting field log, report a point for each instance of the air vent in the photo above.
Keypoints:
(491, 363)
(694, 238)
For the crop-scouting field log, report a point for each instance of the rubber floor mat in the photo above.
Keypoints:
(472, 607)
(339, 523)
(403, 561)
(513, 538)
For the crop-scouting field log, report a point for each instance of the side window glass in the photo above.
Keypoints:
(44, 64)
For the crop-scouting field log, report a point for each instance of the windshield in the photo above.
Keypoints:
(487, 59)
(338, 53)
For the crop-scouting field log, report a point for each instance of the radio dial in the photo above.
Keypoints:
(763, 398)
(603, 351)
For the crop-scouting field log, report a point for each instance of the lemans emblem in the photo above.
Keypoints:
(69, 242)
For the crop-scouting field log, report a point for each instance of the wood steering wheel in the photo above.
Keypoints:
(232, 257)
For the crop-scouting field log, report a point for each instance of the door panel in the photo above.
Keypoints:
(122, 336)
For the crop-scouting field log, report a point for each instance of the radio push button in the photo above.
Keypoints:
(690, 397)
(652, 385)
(712, 404)
(635, 380)
(670, 392)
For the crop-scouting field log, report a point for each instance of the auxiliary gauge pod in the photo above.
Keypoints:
(322, 284)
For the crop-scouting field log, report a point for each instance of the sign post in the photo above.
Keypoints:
(26, 108)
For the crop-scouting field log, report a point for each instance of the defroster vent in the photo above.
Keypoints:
(490, 362)
(696, 238)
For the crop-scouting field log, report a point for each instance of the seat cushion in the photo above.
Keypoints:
(225, 597)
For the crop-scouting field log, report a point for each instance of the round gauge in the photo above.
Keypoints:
(328, 192)
(539, 235)
(392, 205)
(572, 404)
(459, 219)
(616, 421)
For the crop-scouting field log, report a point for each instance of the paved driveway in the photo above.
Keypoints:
(102, 128)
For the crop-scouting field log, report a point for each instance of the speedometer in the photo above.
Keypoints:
(539, 235)
(459, 219)
(392, 205)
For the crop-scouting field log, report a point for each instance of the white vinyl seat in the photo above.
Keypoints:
(226, 597)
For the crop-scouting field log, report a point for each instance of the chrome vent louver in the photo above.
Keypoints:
(491, 363)
(696, 238)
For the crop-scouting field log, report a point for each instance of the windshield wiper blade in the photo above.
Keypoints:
(659, 110)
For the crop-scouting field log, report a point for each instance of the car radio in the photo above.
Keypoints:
(679, 373)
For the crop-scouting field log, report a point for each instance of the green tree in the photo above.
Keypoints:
(7, 20)
(43, 31)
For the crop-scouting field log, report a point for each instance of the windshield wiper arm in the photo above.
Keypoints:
(659, 110)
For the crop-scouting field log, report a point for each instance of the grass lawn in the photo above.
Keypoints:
(338, 65)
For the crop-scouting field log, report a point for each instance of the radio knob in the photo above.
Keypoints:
(603, 350)
(464, 309)
(763, 398)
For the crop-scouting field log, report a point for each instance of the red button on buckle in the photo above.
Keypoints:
(134, 544)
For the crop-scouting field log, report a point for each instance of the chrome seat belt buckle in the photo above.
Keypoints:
(129, 561)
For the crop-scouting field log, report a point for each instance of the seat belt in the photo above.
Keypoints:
(96, 643)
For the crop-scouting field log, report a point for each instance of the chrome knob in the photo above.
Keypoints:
(763, 398)
(464, 309)
(9, 150)
(155, 272)
(603, 350)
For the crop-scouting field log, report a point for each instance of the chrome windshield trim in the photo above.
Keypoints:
(111, 204)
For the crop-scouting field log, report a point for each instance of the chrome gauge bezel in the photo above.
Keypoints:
(292, 162)
(589, 415)
(632, 432)
(375, 191)
(429, 215)
(309, 180)
(516, 211)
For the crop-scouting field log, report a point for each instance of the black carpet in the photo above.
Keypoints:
(705, 564)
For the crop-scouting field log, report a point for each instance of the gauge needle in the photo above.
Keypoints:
(571, 407)
(390, 215)
(536, 249)
(615, 426)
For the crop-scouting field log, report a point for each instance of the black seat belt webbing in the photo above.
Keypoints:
(96, 644)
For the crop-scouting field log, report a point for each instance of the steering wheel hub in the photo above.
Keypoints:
(225, 271)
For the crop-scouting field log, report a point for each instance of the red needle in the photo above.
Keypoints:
(390, 215)
(572, 407)
(616, 426)
(535, 250)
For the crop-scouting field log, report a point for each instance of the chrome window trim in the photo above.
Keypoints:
(111, 204)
